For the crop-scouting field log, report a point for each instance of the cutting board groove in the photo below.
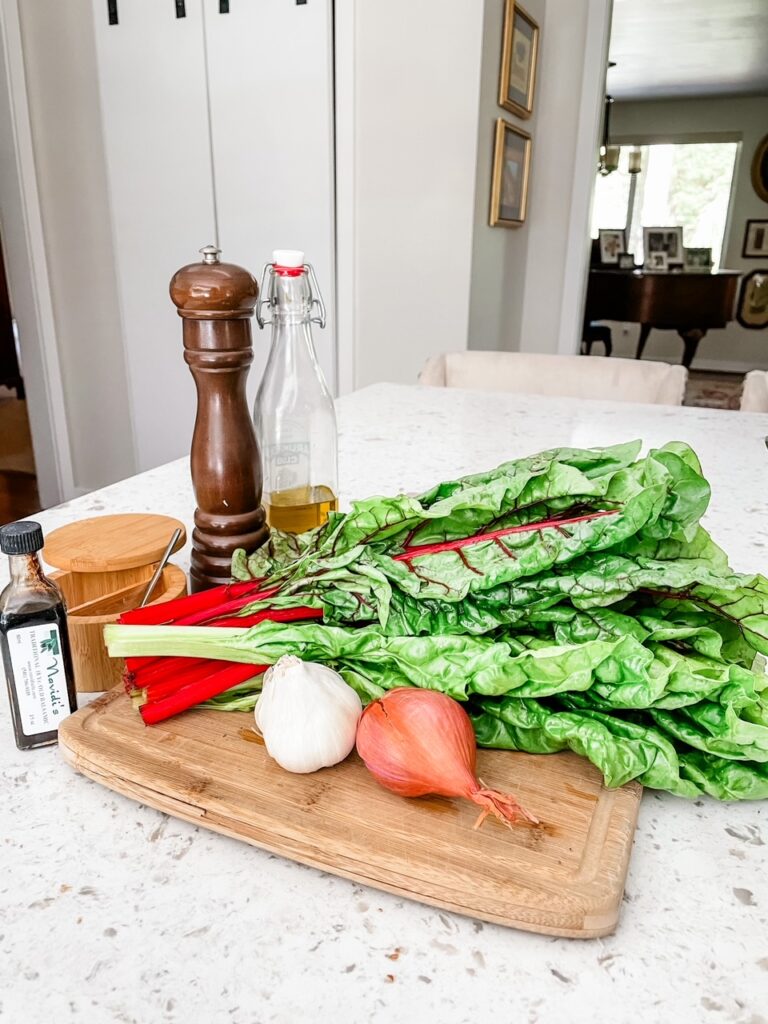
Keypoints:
(565, 877)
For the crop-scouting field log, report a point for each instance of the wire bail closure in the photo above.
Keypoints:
(265, 289)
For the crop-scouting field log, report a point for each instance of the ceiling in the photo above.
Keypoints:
(666, 48)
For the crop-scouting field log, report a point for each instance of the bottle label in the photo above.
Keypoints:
(287, 464)
(39, 677)
(294, 453)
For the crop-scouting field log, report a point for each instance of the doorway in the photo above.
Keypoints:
(673, 196)
(18, 478)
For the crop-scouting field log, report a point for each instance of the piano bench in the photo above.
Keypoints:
(593, 333)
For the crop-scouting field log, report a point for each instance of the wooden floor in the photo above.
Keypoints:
(18, 484)
(18, 496)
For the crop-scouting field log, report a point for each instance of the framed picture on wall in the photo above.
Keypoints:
(511, 168)
(760, 169)
(752, 304)
(666, 240)
(520, 45)
(613, 242)
(755, 239)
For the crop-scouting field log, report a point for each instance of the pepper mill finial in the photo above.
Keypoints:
(210, 254)
(216, 302)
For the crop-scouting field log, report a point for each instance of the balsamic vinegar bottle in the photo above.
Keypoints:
(34, 641)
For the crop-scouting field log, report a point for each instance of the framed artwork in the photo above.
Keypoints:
(613, 242)
(626, 261)
(511, 168)
(657, 261)
(760, 169)
(666, 240)
(752, 304)
(699, 259)
(518, 60)
(755, 239)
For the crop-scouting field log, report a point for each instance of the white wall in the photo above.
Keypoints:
(571, 98)
(733, 347)
(499, 254)
(161, 202)
(423, 271)
(416, 96)
(528, 282)
(127, 161)
(274, 185)
(62, 90)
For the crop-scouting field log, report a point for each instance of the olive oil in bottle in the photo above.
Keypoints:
(34, 641)
(294, 414)
(299, 508)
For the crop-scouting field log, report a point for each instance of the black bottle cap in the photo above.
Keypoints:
(23, 538)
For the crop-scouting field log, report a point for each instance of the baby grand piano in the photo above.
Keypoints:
(687, 302)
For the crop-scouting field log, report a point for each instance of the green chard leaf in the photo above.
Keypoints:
(620, 748)
(465, 506)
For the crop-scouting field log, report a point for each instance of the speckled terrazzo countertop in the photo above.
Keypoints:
(112, 912)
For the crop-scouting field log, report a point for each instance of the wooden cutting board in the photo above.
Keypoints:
(564, 877)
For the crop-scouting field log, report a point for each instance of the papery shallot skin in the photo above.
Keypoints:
(418, 741)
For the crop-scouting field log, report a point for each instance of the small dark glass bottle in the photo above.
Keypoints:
(34, 641)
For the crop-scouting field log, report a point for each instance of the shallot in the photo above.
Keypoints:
(416, 742)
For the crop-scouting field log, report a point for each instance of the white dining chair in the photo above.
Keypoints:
(754, 396)
(623, 380)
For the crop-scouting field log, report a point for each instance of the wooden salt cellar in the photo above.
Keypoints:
(216, 302)
(106, 564)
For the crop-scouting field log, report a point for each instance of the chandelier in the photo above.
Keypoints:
(610, 153)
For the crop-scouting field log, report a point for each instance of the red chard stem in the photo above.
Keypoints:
(457, 545)
(197, 692)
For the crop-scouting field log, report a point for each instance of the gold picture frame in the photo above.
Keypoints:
(752, 303)
(511, 170)
(760, 169)
(519, 56)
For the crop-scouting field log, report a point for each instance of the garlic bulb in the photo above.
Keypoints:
(307, 715)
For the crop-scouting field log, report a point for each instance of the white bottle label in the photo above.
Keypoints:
(287, 465)
(39, 677)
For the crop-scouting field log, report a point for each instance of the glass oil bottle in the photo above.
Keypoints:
(294, 414)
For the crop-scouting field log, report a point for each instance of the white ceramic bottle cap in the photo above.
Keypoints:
(288, 257)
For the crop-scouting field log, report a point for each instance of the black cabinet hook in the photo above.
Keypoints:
(112, 12)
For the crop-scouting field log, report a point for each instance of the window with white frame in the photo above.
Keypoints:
(686, 184)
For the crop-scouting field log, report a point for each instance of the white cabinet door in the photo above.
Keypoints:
(155, 119)
(270, 80)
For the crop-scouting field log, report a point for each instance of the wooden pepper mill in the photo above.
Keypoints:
(216, 301)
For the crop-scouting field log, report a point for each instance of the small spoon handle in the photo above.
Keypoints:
(161, 565)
